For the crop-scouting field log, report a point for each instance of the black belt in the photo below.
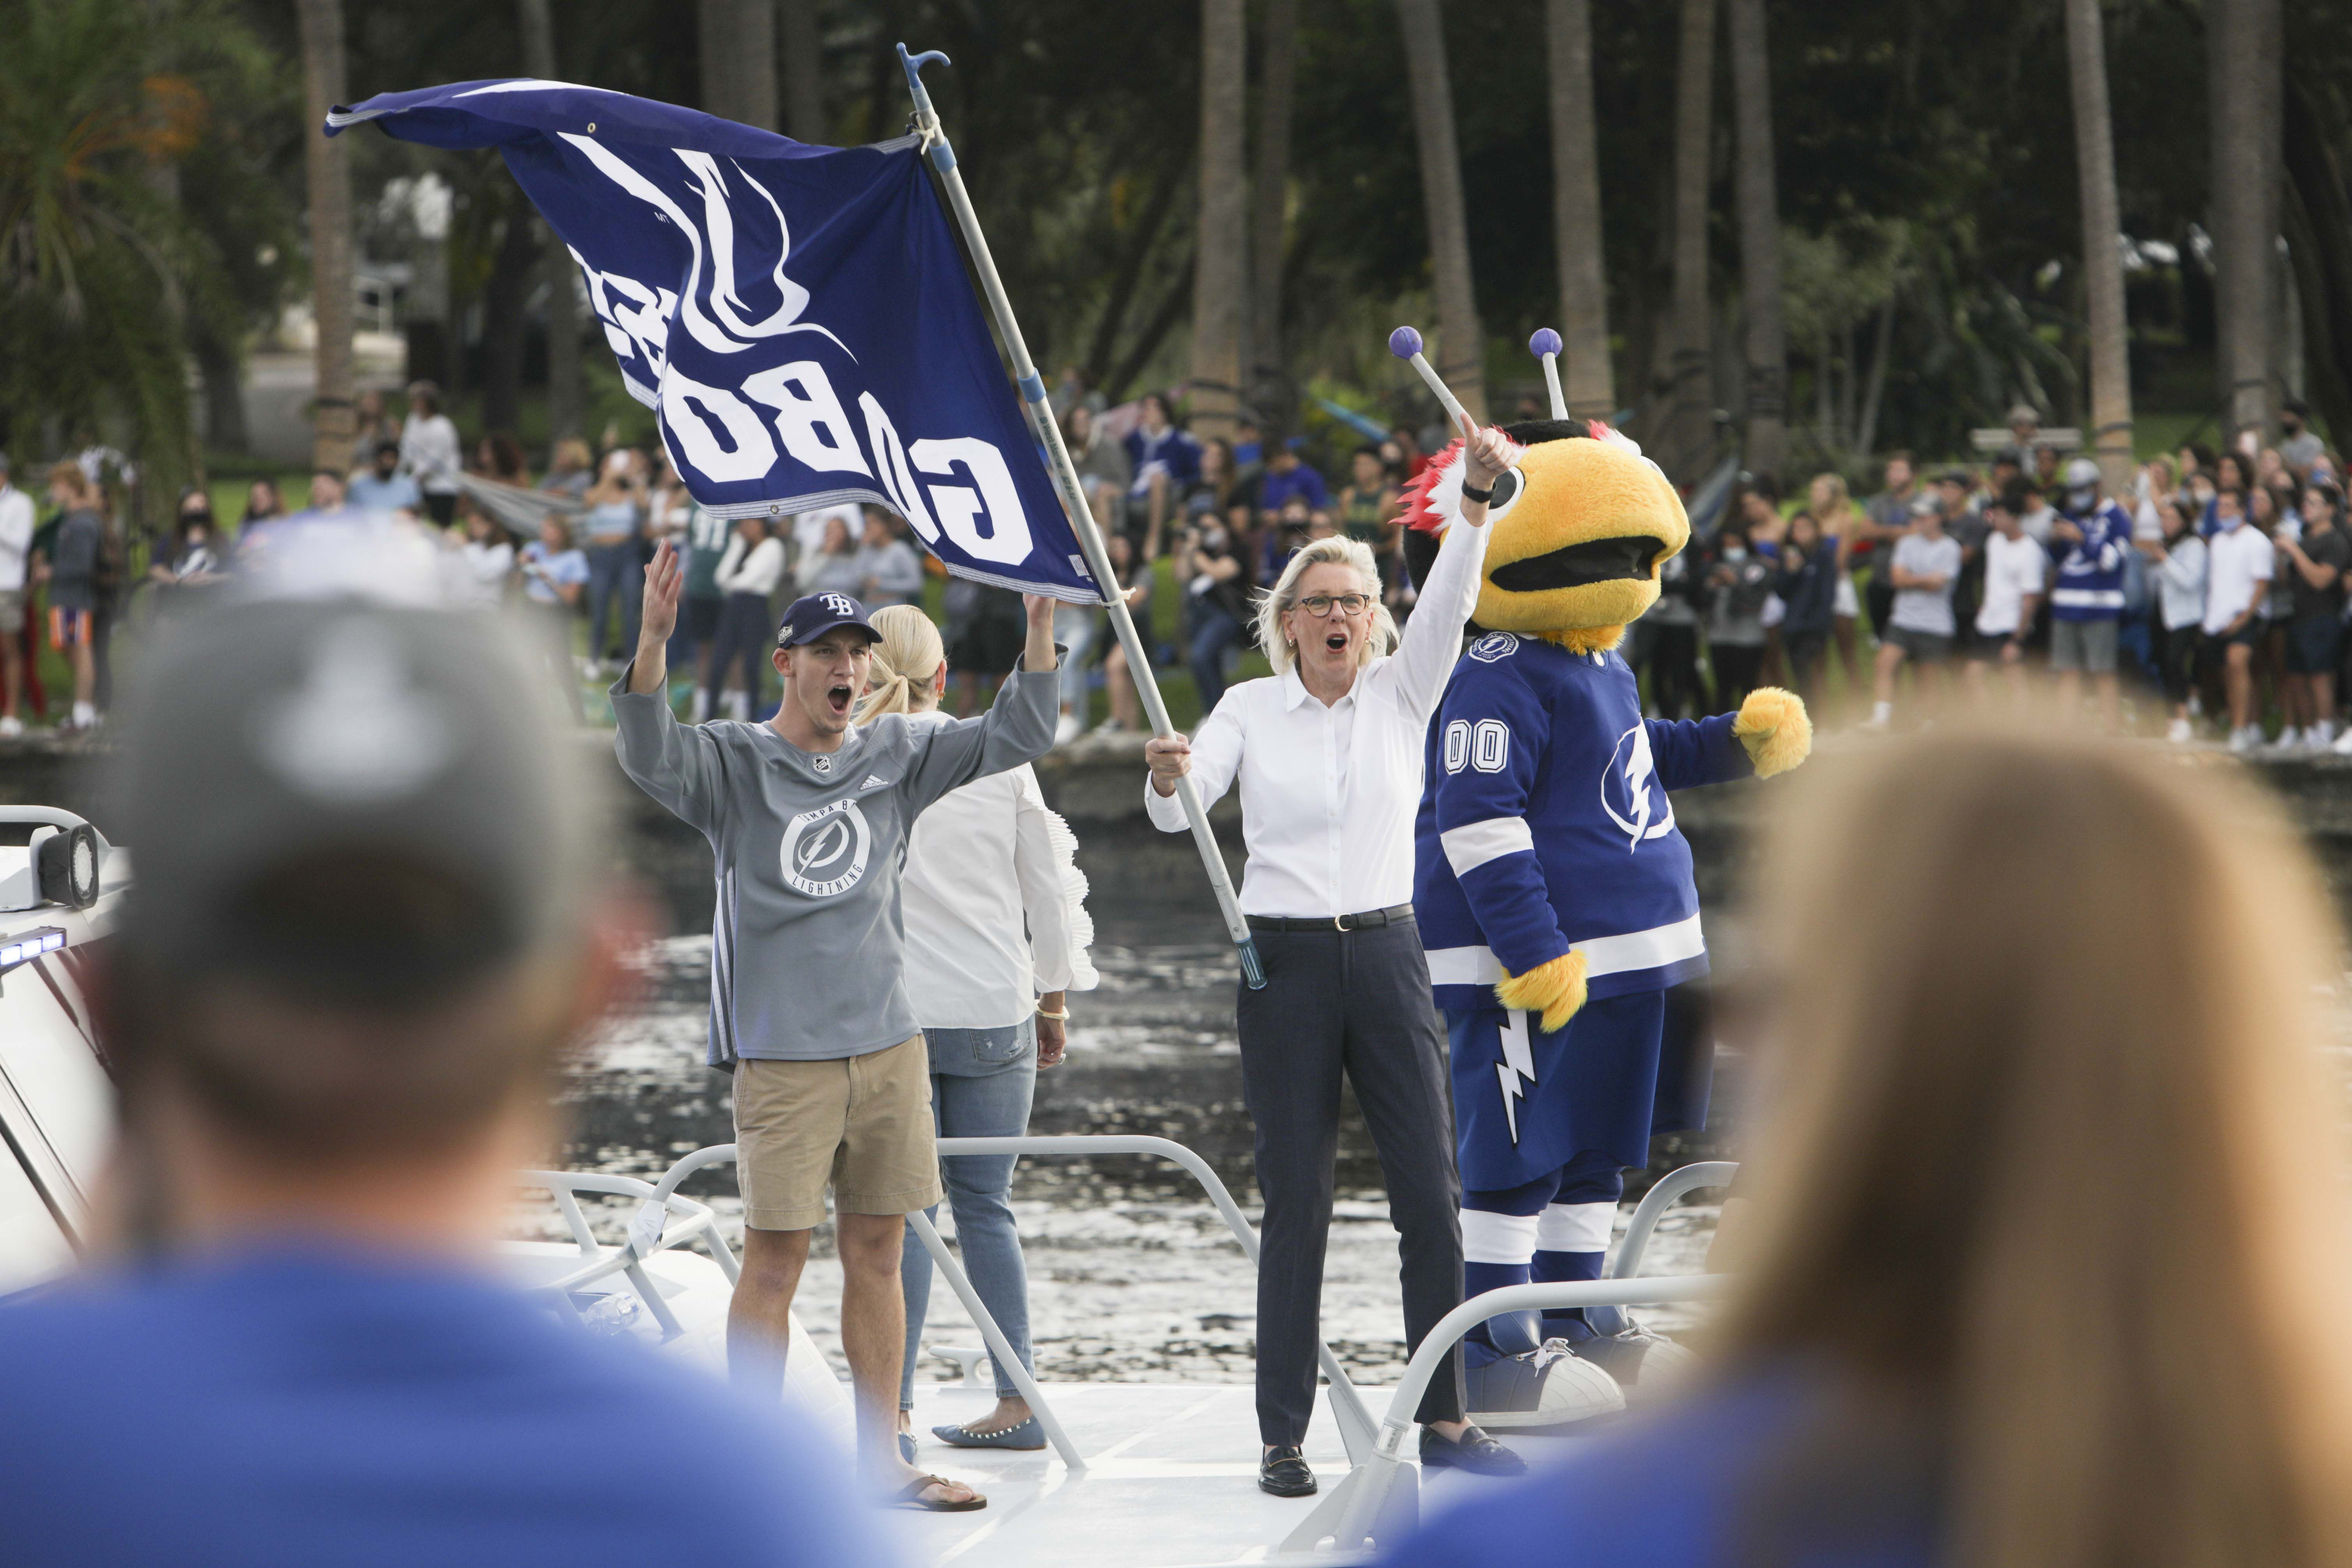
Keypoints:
(1395, 914)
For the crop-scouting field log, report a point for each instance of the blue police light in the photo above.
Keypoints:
(25, 946)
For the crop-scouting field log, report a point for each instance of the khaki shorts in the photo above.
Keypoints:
(861, 1124)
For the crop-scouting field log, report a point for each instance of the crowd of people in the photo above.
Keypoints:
(2212, 584)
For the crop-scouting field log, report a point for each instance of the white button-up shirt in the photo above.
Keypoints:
(993, 902)
(1328, 794)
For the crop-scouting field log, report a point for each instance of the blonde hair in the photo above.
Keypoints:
(1841, 499)
(908, 657)
(2048, 1165)
(1277, 602)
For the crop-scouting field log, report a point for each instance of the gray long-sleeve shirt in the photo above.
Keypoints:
(807, 945)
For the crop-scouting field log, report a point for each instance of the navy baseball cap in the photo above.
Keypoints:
(812, 617)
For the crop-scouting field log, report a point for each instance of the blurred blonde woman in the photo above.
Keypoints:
(2047, 1268)
(984, 865)
(1832, 507)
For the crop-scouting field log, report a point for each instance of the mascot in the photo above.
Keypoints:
(1555, 893)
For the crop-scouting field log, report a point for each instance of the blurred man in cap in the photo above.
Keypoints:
(363, 934)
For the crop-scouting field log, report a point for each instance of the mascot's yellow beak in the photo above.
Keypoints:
(1580, 544)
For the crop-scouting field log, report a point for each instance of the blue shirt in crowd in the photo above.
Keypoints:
(1278, 488)
(2089, 586)
(1173, 452)
(317, 1408)
(1706, 1484)
(543, 571)
(367, 494)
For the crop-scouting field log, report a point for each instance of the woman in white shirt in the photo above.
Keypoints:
(748, 574)
(984, 865)
(2179, 561)
(1328, 756)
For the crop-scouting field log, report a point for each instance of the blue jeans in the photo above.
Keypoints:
(614, 570)
(981, 1084)
(1074, 628)
(1212, 632)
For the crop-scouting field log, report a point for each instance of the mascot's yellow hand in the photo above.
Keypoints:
(1774, 727)
(1554, 989)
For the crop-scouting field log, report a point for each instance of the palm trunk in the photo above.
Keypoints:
(565, 391)
(1462, 348)
(1587, 378)
(502, 318)
(1694, 129)
(328, 165)
(2102, 264)
(1270, 192)
(738, 47)
(803, 71)
(216, 365)
(1759, 242)
(1865, 436)
(1219, 274)
(2245, 85)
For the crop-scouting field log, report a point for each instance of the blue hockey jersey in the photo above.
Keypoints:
(2090, 579)
(1545, 824)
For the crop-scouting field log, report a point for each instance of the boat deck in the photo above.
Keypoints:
(1170, 1479)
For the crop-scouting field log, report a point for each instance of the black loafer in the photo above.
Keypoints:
(1475, 1452)
(1284, 1473)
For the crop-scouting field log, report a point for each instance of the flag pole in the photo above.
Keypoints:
(1065, 482)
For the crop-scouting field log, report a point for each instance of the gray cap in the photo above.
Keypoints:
(286, 761)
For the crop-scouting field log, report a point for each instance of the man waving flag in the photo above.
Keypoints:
(798, 317)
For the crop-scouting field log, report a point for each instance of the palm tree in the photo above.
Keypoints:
(1461, 358)
(738, 47)
(2245, 82)
(1576, 213)
(1691, 422)
(803, 71)
(328, 165)
(1270, 191)
(565, 390)
(1759, 240)
(2103, 262)
(1221, 271)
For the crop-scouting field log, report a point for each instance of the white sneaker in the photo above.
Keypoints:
(1882, 714)
(2319, 736)
(2180, 733)
(1065, 729)
(701, 708)
(10, 726)
(1539, 1389)
(2245, 739)
(2343, 746)
(2289, 740)
(739, 706)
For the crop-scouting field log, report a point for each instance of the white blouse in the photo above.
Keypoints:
(1328, 794)
(993, 904)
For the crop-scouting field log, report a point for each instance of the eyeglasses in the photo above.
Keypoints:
(1320, 605)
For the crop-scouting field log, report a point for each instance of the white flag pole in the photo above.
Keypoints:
(1065, 481)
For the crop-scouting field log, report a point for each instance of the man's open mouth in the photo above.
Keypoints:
(839, 699)
(1574, 566)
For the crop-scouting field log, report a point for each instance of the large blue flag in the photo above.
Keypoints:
(798, 317)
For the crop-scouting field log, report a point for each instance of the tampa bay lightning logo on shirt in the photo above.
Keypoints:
(1493, 646)
(1630, 792)
(825, 850)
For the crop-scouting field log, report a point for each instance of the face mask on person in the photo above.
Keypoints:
(1735, 553)
(2080, 500)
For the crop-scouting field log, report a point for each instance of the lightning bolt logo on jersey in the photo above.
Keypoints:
(1546, 825)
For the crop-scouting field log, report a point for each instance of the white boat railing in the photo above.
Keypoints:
(1379, 1500)
(601, 1262)
(1347, 1408)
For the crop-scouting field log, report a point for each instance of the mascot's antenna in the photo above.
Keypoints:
(1405, 343)
(1545, 346)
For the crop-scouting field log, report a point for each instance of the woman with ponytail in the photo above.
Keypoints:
(996, 938)
(2046, 1265)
